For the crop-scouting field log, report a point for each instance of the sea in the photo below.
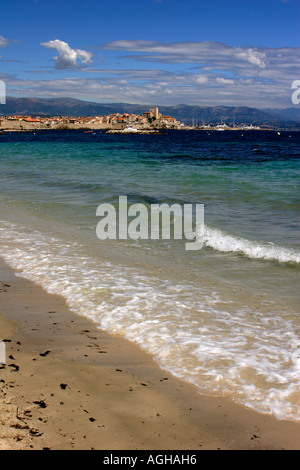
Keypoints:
(224, 317)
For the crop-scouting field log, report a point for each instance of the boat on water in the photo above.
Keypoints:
(133, 131)
(130, 129)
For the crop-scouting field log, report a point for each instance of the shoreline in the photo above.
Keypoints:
(109, 130)
(69, 385)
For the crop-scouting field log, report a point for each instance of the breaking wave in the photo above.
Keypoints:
(221, 241)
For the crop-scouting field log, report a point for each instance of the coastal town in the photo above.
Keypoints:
(150, 121)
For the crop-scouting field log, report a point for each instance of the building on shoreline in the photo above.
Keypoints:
(149, 120)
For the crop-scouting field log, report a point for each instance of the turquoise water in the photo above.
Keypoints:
(226, 317)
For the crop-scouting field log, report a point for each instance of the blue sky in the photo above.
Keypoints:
(216, 52)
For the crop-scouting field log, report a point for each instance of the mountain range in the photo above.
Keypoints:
(196, 115)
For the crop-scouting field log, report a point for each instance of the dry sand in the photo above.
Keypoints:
(68, 385)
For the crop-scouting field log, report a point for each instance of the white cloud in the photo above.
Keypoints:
(209, 73)
(215, 59)
(253, 56)
(125, 86)
(67, 57)
(4, 42)
(200, 79)
(224, 81)
(208, 54)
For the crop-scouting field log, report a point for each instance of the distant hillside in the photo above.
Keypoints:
(55, 107)
(292, 114)
(200, 115)
(197, 115)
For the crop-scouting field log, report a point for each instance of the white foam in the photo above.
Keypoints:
(244, 354)
(226, 243)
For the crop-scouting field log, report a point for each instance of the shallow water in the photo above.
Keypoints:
(226, 317)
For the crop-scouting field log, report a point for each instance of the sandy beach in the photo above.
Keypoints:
(68, 385)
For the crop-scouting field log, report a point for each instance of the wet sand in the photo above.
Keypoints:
(68, 385)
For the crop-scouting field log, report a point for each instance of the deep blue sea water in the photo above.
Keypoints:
(226, 317)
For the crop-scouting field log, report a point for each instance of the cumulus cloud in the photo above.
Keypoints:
(67, 57)
(253, 56)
